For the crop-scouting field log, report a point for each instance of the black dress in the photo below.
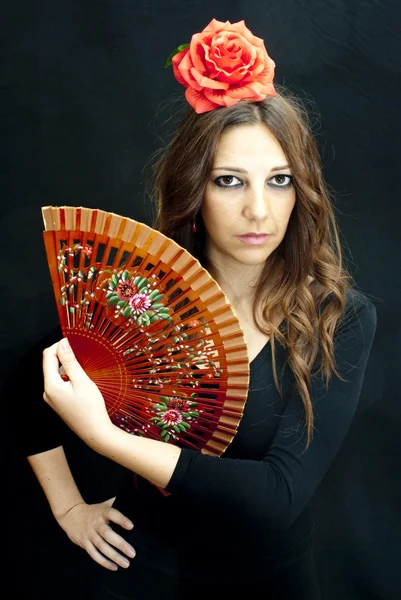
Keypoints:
(241, 522)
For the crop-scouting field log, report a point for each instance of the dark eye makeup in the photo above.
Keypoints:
(227, 181)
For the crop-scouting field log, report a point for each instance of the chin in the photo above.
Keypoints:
(258, 259)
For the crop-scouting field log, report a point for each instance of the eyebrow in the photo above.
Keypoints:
(237, 170)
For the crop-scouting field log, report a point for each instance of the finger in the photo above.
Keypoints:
(99, 558)
(117, 517)
(116, 540)
(69, 362)
(109, 551)
(50, 365)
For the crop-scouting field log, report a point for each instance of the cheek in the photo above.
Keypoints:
(284, 210)
(214, 211)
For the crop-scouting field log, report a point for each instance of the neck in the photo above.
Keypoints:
(238, 282)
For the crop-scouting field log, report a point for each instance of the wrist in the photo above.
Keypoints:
(105, 442)
(59, 514)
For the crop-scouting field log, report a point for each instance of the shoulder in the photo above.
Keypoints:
(359, 306)
(356, 327)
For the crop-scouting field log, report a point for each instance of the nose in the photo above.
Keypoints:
(256, 203)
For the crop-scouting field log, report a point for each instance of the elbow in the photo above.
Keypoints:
(281, 510)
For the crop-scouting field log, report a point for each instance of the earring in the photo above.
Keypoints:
(193, 227)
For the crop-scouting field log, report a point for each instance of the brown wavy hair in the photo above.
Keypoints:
(311, 248)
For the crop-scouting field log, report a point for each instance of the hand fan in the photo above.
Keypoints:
(149, 326)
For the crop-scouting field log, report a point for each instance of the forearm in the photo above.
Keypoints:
(150, 459)
(54, 475)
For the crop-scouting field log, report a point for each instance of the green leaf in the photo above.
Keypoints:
(153, 294)
(121, 304)
(154, 319)
(127, 312)
(125, 275)
(114, 279)
(174, 52)
(167, 437)
(176, 428)
(157, 306)
(113, 299)
(163, 432)
(141, 282)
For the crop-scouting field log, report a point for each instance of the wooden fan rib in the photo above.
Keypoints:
(51, 218)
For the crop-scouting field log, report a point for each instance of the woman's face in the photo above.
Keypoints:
(249, 197)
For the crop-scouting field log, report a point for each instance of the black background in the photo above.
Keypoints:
(85, 98)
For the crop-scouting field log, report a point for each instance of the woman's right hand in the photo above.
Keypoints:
(87, 525)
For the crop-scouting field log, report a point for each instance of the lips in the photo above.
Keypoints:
(254, 239)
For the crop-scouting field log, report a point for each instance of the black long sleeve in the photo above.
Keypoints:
(41, 428)
(273, 492)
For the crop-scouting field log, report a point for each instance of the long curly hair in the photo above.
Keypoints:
(310, 309)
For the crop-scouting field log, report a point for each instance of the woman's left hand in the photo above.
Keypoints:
(77, 401)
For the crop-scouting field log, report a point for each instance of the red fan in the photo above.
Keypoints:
(150, 327)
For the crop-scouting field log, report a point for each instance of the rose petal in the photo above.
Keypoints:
(206, 82)
(248, 92)
(220, 97)
(184, 68)
(175, 61)
(242, 29)
(262, 62)
(269, 90)
(215, 25)
(197, 51)
(198, 101)
(265, 77)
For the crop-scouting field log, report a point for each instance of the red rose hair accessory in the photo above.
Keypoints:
(223, 64)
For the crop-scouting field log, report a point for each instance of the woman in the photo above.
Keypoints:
(240, 186)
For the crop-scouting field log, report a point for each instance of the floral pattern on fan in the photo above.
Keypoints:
(173, 416)
(136, 298)
(133, 297)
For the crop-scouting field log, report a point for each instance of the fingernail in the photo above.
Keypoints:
(130, 524)
(65, 345)
(125, 563)
(131, 552)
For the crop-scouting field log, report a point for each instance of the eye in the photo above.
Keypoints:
(227, 181)
(282, 181)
